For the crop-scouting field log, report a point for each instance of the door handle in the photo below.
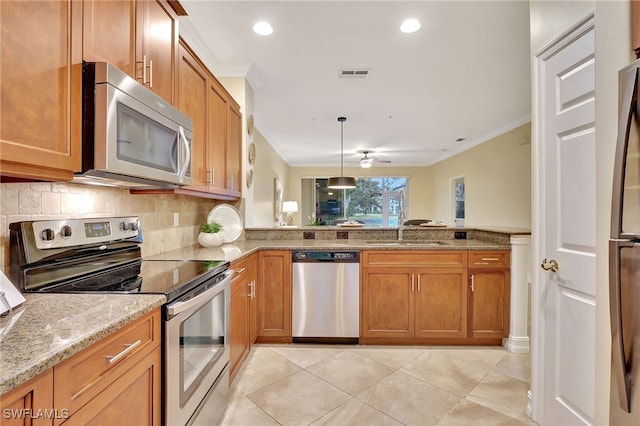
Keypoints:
(551, 265)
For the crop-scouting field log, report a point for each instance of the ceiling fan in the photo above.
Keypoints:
(366, 161)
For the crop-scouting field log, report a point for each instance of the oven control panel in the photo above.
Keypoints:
(49, 234)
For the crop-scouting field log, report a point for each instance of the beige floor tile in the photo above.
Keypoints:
(446, 371)
(356, 413)
(299, 399)
(410, 400)
(263, 368)
(306, 356)
(468, 413)
(350, 371)
(394, 357)
(486, 358)
(242, 412)
(503, 394)
(517, 366)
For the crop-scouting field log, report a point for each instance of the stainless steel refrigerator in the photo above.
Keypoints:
(624, 256)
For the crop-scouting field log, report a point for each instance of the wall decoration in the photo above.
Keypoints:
(277, 200)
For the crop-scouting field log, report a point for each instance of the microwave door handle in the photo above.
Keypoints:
(619, 362)
(629, 86)
(187, 155)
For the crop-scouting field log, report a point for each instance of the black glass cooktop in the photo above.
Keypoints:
(169, 277)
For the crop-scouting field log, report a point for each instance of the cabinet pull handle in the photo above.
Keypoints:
(412, 284)
(144, 69)
(239, 271)
(129, 348)
(229, 182)
(418, 283)
(472, 283)
(252, 286)
(150, 73)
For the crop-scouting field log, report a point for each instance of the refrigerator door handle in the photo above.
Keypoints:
(620, 374)
(626, 109)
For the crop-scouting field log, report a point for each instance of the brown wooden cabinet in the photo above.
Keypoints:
(274, 296)
(240, 297)
(125, 33)
(489, 294)
(40, 89)
(34, 396)
(411, 295)
(114, 381)
(216, 161)
(253, 299)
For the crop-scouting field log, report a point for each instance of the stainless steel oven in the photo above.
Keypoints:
(103, 255)
(196, 350)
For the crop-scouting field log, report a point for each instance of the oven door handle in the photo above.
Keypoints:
(177, 308)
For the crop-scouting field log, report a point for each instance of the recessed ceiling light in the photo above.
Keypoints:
(410, 26)
(262, 28)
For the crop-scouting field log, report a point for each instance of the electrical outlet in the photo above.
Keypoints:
(309, 235)
(176, 219)
(460, 235)
(342, 235)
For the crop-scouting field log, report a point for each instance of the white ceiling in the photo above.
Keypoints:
(464, 74)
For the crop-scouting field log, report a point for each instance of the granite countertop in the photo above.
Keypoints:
(239, 249)
(49, 328)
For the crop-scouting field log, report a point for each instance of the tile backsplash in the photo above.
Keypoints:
(41, 201)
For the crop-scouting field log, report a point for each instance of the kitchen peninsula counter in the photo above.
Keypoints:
(49, 328)
(326, 237)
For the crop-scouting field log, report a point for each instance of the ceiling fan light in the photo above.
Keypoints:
(365, 163)
(342, 182)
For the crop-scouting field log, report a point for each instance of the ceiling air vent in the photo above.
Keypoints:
(352, 74)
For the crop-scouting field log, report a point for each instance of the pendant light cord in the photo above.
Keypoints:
(342, 148)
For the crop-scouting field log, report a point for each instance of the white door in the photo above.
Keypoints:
(563, 380)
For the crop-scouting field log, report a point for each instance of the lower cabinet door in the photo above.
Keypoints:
(133, 399)
(441, 302)
(239, 334)
(489, 294)
(387, 303)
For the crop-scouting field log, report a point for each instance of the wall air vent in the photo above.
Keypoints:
(353, 74)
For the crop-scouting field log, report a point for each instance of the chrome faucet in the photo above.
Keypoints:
(402, 213)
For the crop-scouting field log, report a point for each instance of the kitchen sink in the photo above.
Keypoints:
(407, 243)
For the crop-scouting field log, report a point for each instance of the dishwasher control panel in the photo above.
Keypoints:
(351, 256)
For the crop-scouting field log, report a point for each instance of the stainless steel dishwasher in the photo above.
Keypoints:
(325, 295)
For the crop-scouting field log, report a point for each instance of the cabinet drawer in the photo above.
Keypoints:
(414, 258)
(86, 374)
(489, 259)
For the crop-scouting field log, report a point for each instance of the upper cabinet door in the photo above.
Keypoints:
(40, 89)
(138, 37)
(157, 46)
(109, 33)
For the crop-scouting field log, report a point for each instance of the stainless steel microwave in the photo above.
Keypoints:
(131, 137)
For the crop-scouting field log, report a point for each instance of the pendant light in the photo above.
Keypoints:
(342, 182)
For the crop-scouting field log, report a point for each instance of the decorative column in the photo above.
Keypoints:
(518, 341)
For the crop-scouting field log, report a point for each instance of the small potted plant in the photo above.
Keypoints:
(210, 235)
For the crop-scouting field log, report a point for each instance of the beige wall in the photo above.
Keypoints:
(497, 176)
(42, 201)
(419, 203)
(268, 166)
